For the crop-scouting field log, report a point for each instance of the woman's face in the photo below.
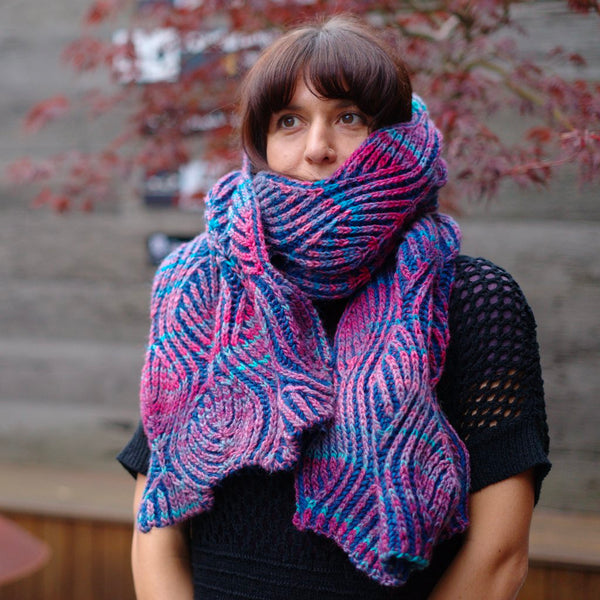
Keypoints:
(312, 136)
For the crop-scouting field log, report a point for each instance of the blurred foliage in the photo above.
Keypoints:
(463, 57)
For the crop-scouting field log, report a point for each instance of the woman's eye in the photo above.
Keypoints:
(288, 122)
(351, 119)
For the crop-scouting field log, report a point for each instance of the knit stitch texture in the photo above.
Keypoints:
(239, 370)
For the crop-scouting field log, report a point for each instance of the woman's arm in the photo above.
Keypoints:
(492, 563)
(160, 559)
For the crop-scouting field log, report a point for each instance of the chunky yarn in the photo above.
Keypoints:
(239, 371)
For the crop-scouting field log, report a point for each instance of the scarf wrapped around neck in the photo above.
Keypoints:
(240, 372)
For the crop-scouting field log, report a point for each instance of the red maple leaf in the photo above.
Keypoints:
(44, 112)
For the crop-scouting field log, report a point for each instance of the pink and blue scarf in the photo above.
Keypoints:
(240, 372)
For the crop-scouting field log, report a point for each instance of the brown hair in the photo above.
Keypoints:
(340, 58)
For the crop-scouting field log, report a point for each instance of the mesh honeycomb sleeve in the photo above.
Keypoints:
(492, 389)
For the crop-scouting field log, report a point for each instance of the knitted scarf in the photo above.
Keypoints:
(240, 372)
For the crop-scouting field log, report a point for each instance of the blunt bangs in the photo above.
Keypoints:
(339, 59)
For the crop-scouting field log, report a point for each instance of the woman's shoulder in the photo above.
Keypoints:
(492, 388)
(487, 311)
(481, 286)
(479, 274)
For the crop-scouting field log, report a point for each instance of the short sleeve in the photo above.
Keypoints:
(492, 389)
(135, 456)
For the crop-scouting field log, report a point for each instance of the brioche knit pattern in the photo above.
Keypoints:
(239, 367)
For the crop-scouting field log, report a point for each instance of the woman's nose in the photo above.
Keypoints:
(319, 144)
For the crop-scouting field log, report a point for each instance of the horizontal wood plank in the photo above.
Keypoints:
(86, 519)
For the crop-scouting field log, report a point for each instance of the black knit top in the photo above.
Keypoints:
(247, 548)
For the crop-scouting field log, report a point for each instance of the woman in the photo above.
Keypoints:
(335, 403)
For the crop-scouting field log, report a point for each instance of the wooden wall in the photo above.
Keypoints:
(90, 561)
(552, 582)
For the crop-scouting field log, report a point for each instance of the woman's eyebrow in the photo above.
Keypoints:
(337, 103)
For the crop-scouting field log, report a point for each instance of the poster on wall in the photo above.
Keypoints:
(184, 188)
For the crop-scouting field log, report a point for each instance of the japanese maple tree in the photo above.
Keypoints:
(463, 57)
